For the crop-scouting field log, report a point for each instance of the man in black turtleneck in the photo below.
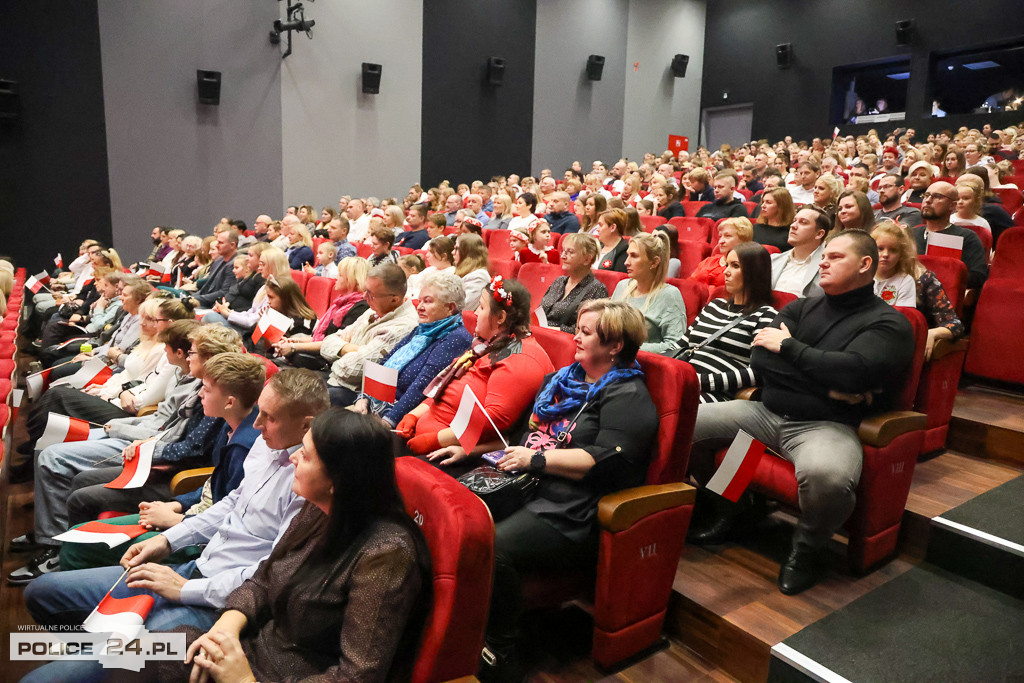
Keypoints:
(826, 363)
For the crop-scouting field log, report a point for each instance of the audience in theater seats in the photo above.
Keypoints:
(848, 345)
(473, 265)
(672, 232)
(700, 188)
(611, 226)
(890, 196)
(992, 211)
(220, 277)
(731, 232)
(524, 206)
(271, 264)
(894, 279)
(854, 213)
(438, 339)
(374, 333)
(802, 189)
(337, 232)
(502, 215)
(938, 205)
(775, 216)
(918, 178)
(533, 244)
(503, 367)
(416, 236)
(796, 271)
(239, 532)
(725, 204)
(567, 292)
(594, 205)
(300, 247)
(178, 426)
(286, 298)
(358, 220)
(826, 193)
(971, 192)
(722, 358)
(645, 289)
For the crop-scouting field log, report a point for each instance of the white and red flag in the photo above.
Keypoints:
(271, 327)
(380, 382)
(58, 261)
(37, 282)
(157, 270)
(121, 616)
(17, 396)
(737, 467)
(112, 535)
(539, 317)
(37, 383)
(93, 371)
(941, 244)
(470, 420)
(62, 429)
(136, 471)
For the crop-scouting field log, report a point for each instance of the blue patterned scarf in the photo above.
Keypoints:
(570, 387)
(423, 336)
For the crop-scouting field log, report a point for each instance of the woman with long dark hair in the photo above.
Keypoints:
(345, 593)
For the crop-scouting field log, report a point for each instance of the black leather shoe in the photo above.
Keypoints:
(719, 530)
(803, 569)
(500, 665)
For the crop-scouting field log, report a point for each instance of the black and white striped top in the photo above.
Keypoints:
(723, 366)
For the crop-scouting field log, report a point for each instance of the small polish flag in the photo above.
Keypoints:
(37, 383)
(156, 270)
(470, 420)
(58, 260)
(941, 244)
(17, 395)
(539, 317)
(136, 470)
(62, 429)
(93, 371)
(177, 281)
(835, 132)
(737, 467)
(37, 282)
(121, 616)
(380, 382)
(272, 327)
(101, 532)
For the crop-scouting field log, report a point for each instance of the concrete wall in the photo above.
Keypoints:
(657, 104)
(575, 118)
(173, 161)
(336, 139)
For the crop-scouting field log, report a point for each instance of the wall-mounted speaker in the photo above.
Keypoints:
(209, 86)
(495, 71)
(595, 66)
(679, 63)
(904, 31)
(371, 78)
(10, 106)
(784, 55)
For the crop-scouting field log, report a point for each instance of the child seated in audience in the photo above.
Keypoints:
(325, 265)
(411, 264)
(532, 244)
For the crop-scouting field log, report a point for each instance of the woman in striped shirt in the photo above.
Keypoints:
(723, 362)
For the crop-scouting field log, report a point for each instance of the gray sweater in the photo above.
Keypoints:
(169, 411)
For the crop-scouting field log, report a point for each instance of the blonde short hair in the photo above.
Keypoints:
(744, 229)
(238, 374)
(617, 322)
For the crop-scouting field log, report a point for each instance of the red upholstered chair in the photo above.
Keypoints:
(690, 256)
(507, 269)
(985, 235)
(405, 251)
(498, 246)
(641, 530)
(1012, 198)
(952, 273)
(364, 250)
(460, 535)
(692, 229)
(891, 444)
(1009, 259)
(469, 321)
(780, 299)
(300, 277)
(1018, 218)
(318, 293)
(750, 206)
(537, 277)
(560, 346)
(610, 278)
(651, 222)
(7, 367)
(692, 208)
(996, 343)
(317, 241)
(695, 296)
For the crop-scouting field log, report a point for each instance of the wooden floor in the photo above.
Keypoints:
(726, 611)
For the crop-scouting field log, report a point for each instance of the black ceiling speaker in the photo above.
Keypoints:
(595, 65)
(10, 106)
(209, 86)
(679, 63)
(495, 71)
(371, 78)
(784, 55)
(904, 31)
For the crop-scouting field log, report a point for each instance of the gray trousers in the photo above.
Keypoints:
(827, 457)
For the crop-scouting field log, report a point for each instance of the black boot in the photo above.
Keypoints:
(803, 569)
(716, 518)
(500, 665)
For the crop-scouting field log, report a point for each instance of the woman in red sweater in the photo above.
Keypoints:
(731, 231)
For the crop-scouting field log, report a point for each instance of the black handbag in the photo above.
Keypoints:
(501, 492)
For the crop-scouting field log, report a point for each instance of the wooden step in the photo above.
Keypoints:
(727, 608)
(988, 423)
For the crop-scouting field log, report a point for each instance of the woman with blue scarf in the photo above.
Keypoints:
(439, 338)
(591, 434)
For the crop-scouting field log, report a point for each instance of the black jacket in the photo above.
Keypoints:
(616, 258)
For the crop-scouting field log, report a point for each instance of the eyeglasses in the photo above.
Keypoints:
(370, 296)
(191, 353)
(937, 195)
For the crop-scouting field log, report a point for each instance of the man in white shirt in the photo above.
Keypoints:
(796, 271)
(359, 221)
(802, 189)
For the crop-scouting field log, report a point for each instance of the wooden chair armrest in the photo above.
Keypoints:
(944, 347)
(880, 430)
(189, 480)
(146, 410)
(748, 394)
(620, 510)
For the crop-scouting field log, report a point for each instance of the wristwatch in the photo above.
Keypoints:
(538, 462)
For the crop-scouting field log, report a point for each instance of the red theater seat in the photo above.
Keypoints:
(364, 250)
(996, 343)
(460, 535)
(690, 256)
(641, 530)
(506, 269)
(1008, 262)
(560, 346)
(1012, 199)
(695, 296)
(498, 246)
(300, 277)
(610, 278)
(318, 293)
(537, 277)
(692, 208)
(651, 222)
(692, 229)
(891, 442)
